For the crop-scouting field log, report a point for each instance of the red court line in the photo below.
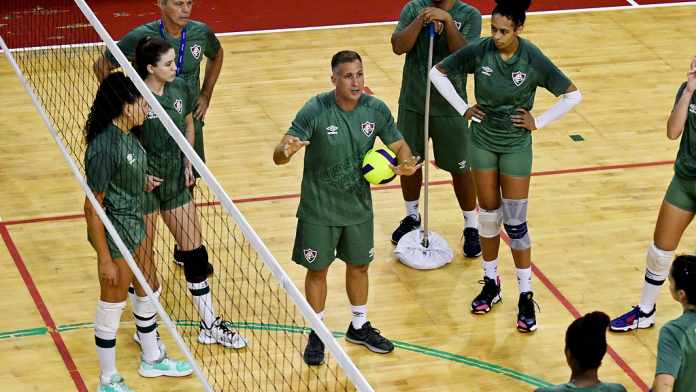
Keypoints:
(43, 310)
(576, 314)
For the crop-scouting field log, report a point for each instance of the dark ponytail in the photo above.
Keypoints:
(148, 52)
(684, 274)
(586, 339)
(515, 10)
(114, 92)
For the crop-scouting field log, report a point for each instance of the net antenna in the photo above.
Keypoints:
(249, 284)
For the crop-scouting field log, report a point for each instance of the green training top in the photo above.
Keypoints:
(570, 387)
(115, 165)
(676, 351)
(415, 74)
(685, 165)
(334, 192)
(200, 41)
(503, 86)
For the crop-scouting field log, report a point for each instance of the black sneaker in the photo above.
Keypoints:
(526, 315)
(370, 338)
(407, 224)
(472, 243)
(179, 260)
(490, 295)
(314, 352)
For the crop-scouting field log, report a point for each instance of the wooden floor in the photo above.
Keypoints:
(590, 227)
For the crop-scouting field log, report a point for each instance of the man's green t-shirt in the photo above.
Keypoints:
(503, 86)
(334, 192)
(415, 73)
(676, 351)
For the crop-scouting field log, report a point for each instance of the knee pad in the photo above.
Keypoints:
(106, 323)
(178, 254)
(657, 266)
(195, 264)
(145, 313)
(489, 223)
(515, 221)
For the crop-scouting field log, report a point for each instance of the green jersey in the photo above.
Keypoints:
(685, 165)
(200, 41)
(415, 74)
(164, 156)
(676, 351)
(503, 86)
(115, 165)
(334, 192)
(570, 387)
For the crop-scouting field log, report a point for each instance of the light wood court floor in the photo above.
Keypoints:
(590, 228)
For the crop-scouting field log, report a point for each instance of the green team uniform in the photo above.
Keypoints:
(676, 351)
(682, 190)
(447, 128)
(335, 211)
(115, 165)
(200, 41)
(165, 159)
(570, 387)
(501, 87)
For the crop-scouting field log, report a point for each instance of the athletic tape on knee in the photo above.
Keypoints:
(515, 221)
(196, 264)
(489, 223)
(145, 314)
(657, 266)
(106, 322)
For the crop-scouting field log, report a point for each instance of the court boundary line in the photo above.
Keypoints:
(42, 309)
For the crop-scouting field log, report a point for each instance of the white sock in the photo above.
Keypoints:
(359, 315)
(490, 268)
(203, 300)
(648, 297)
(412, 209)
(146, 325)
(524, 279)
(470, 219)
(106, 325)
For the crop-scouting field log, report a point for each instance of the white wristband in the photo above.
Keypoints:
(445, 87)
(563, 106)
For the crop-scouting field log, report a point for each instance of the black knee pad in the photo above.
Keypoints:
(195, 264)
(178, 254)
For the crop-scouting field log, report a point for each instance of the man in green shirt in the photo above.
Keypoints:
(457, 24)
(335, 213)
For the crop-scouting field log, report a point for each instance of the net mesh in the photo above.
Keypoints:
(55, 47)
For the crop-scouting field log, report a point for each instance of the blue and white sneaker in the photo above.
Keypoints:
(164, 366)
(116, 384)
(633, 319)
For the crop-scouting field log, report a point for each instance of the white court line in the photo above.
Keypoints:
(634, 6)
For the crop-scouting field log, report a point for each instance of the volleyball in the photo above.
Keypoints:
(375, 166)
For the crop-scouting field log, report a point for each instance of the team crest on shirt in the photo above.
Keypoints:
(196, 51)
(458, 24)
(179, 105)
(310, 255)
(367, 128)
(131, 159)
(518, 78)
(692, 108)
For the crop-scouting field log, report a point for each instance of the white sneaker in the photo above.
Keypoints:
(116, 384)
(164, 366)
(220, 333)
(160, 343)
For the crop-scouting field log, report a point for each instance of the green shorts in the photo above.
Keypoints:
(131, 229)
(171, 193)
(517, 163)
(317, 246)
(681, 193)
(450, 137)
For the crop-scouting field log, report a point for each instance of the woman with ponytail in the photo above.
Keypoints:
(507, 71)
(676, 348)
(585, 346)
(115, 167)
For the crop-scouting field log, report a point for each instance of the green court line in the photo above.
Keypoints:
(468, 361)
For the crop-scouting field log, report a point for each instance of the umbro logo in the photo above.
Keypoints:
(462, 165)
(692, 108)
(131, 159)
(371, 253)
(310, 255)
(332, 130)
(458, 24)
(486, 70)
